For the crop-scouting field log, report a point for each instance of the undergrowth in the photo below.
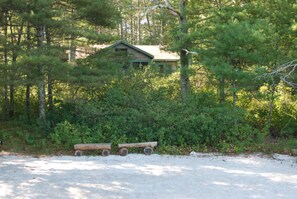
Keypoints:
(18, 138)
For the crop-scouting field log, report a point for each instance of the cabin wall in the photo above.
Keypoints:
(135, 55)
(172, 64)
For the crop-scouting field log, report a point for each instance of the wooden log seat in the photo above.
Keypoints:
(105, 147)
(148, 147)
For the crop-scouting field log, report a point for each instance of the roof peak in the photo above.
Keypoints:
(131, 46)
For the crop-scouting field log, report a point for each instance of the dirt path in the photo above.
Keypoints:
(148, 177)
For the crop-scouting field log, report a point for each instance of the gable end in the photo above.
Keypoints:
(131, 46)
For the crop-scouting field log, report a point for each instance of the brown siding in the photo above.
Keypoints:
(173, 64)
(135, 55)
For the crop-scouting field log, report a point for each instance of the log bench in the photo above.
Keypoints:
(148, 147)
(105, 147)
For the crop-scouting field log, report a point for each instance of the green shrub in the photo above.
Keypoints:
(134, 109)
(66, 134)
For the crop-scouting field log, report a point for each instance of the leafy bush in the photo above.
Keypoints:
(135, 110)
(67, 134)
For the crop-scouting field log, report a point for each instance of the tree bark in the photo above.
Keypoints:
(28, 103)
(28, 86)
(184, 42)
(6, 100)
(126, 36)
(131, 23)
(11, 87)
(72, 53)
(154, 31)
(72, 48)
(121, 30)
(11, 101)
(49, 77)
(234, 95)
(184, 77)
(40, 84)
(162, 28)
(184, 59)
(50, 92)
(139, 23)
(14, 59)
(271, 103)
(148, 20)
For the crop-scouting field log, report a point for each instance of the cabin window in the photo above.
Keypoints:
(139, 64)
(161, 68)
(165, 69)
(122, 51)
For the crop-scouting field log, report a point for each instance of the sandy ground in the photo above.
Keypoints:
(204, 176)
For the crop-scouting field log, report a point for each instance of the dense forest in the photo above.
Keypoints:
(234, 90)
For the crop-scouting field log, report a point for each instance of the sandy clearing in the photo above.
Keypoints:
(149, 177)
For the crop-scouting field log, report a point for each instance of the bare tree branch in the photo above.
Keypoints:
(284, 72)
(190, 52)
(167, 5)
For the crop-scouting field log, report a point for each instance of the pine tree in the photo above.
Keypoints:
(34, 44)
(235, 46)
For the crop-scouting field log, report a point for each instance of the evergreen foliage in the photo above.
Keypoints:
(239, 71)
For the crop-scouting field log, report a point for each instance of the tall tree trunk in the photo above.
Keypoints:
(120, 25)
(148, 21)
(184, 42)
(132, 23)
(72, 47)
(6, 100)
(49, 77)
(153, 25)
(50, 92)
(72, 54)
(139, 23)
(14, 59)
(184, 59)
(28, 103)
(11, 101)
(234, 96)
(271, 103)
(126, 36)
(184, 77)
(161, 40)
(121, 30)
(11, 87)
(40, 84)
(28, 86)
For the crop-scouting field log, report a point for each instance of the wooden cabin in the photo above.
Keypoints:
(140, 56)
(137, 56)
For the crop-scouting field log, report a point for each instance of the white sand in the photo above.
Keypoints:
(204, 176)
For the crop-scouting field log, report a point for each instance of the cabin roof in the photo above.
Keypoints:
(159, 53)
(133, 47)
(156, 52)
